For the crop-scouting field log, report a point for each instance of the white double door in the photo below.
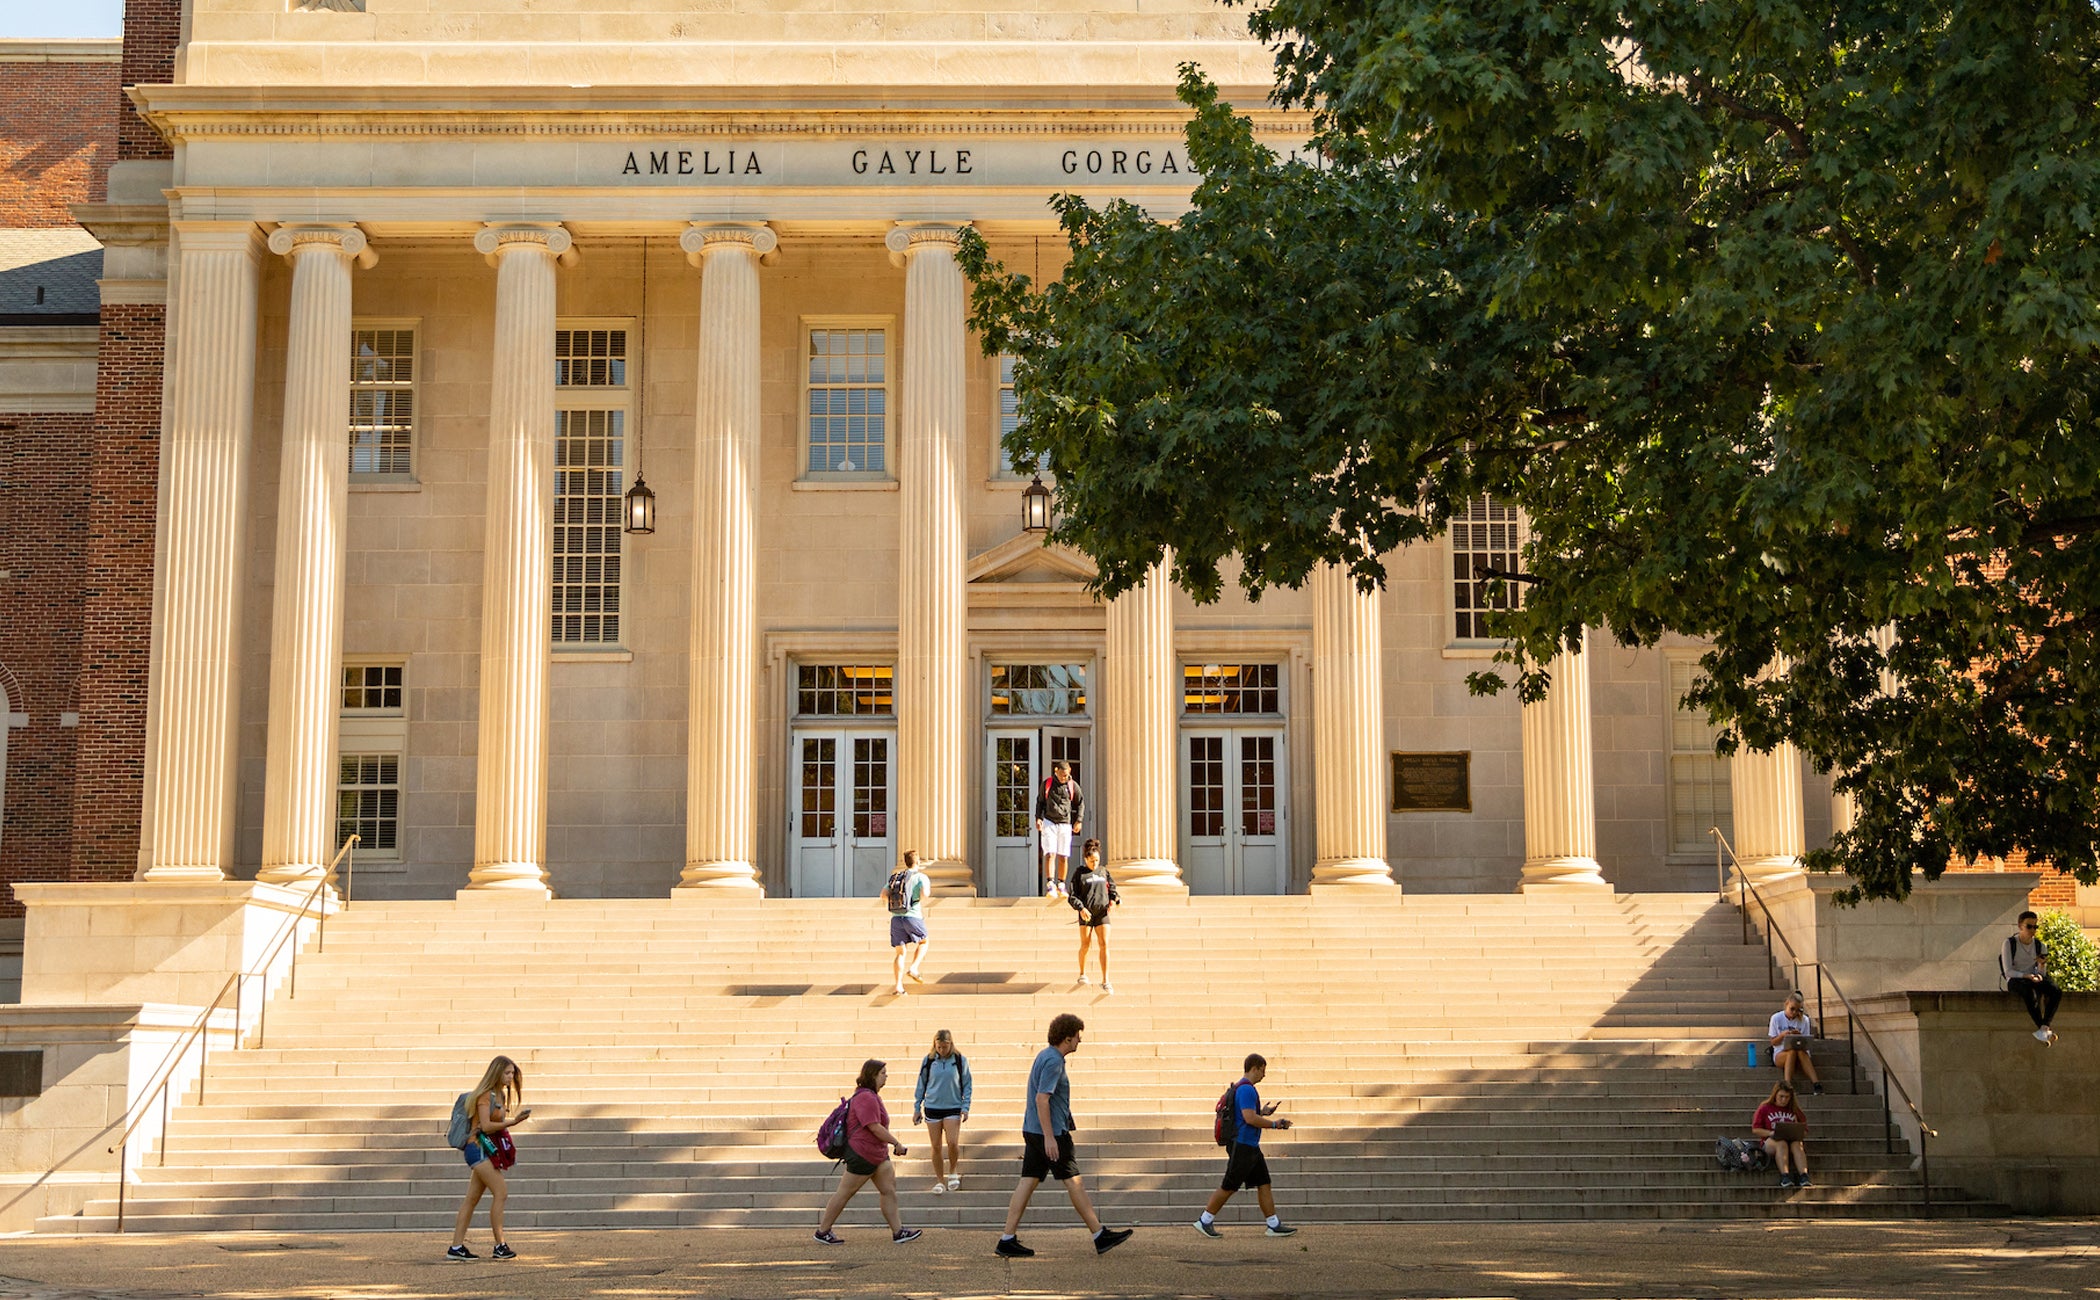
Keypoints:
(1233, 837)
(844, 785)
(1017, 762)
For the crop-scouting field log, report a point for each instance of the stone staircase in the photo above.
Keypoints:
(1445, 1058)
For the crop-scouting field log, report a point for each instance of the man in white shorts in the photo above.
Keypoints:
(1060, 811)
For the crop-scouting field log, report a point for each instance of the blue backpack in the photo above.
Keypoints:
(462, 1126)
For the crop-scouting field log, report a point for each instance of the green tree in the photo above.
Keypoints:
(1779, 322)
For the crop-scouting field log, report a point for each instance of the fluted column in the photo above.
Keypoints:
(1348, 734)
(193, 691)
(306, 621)
(510, 815)
(1766, 790)
(932, 687)
(1560, 784)
(723, 660)
(1140, 688)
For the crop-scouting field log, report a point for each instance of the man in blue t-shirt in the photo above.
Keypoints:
(1246, 1166)
(1047, 1147)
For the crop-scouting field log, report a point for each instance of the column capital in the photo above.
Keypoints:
(700, 238)
(496, 238)
(908, 237)
(343, 238)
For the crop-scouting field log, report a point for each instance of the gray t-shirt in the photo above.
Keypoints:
(1048, 1075)
(2022, 957)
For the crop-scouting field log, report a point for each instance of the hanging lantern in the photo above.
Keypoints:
(1035, 507)
(641, 507)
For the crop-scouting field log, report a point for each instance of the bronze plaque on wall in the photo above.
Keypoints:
(1433, 782)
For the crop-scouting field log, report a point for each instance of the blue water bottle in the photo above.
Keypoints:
(1750, 1054)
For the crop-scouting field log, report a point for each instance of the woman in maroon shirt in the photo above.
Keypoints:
(1785, 1132)
(868, 1146)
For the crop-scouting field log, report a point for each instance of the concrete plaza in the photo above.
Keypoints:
(1911, 1260)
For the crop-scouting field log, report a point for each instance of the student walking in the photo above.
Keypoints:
(2023, 967)
(1060, 812)
(1245, 1166)
(942, 1101)
(869, 1143)
(904, 896)
(1093, 894)
(1047, 1146)
(1784, 1130)
(1789, 1035)
(489, 1152)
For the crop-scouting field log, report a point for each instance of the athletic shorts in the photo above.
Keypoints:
(1245, 1167)
(1036, 1163)
(1057, 838)
(935, 1114)
(906, 929)
(857, 1164)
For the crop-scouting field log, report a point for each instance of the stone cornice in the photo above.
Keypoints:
(186, 112)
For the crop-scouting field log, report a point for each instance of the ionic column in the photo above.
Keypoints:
(1348, 734)
(193, 691)
(306, 620)
(1766, 791)
(721, 701)
(932, 678)
(510, 815)
(1560, 787)
(1140, 684)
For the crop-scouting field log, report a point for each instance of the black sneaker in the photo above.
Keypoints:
(1818, 1089)
(460, 1252)
(830, 1238)
(903, 1235)
(1283, 1230)
(1108, 1239)
(1208, 1229)
(503, 1251)
(1802, 1181)
(1011, 1248)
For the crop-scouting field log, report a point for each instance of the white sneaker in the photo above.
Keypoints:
(1083, 980)
(939, 1187)
(955, 1182)
(1106, 987)
(2042, 1035)
(1049, 889)
(900, 990)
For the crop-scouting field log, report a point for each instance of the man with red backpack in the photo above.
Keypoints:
(1241, 1118)
(1060, 811)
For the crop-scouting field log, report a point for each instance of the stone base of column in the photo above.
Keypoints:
(169, 874)
(1353, 873)
(1547, 875)
(1763, 871)
(722, 876)
(950, 879)
(1155, 876)
(507, 880)
(293, 873)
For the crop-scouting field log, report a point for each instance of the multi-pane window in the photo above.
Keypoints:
(383, 400)
(592, 396)
(1231, 688)
(1040, 690)
(1487, 538)
(843, 690)
(369, 688)
(849, 400)
(368, 803)
(1007, 420)
(1700, 794)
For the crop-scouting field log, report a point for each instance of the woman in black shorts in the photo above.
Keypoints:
(1093, 893)
(942, 1102)
(869, 1143)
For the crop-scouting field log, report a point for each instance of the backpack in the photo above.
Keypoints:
(1741, 1155)
(897, 894)
(831, 1134)
(461, 1129)
(1225, 1127)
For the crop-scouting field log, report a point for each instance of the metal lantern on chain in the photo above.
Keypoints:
(640, 504)
(1035, 507)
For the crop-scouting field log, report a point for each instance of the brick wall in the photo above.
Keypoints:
(58, 136)
(43, 460)
(152, 28)
(117, 594)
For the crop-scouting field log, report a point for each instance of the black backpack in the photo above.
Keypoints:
(897, 894)
(1741, 1155)
(1226, 1125)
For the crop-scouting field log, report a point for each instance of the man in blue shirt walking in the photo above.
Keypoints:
(1247, 1166)
(1048, 1149)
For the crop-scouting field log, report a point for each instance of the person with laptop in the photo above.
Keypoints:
(1790, 1034)
(1784, 1130)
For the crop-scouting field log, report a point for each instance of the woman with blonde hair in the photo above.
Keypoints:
(488, 1152)
(942, 1102)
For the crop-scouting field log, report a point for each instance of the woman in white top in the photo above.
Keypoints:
(1790, 1032)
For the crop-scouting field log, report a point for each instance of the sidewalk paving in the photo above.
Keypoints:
(1910, 1260)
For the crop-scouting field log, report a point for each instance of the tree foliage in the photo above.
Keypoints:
(1778, 321)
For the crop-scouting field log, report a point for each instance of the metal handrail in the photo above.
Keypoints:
(235, 983)
(1854, 1031)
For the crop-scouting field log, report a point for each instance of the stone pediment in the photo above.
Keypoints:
(1024, 561)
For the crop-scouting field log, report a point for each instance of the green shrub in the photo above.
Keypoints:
(2073, 962)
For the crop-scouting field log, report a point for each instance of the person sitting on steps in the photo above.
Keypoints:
(1784, 1130)
(1790, 1032)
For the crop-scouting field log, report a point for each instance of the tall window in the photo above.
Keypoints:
(368, 803)
(1488, 536)
(1231, 688)
(1006, 419)
(849, 401)
(373, 737)
(1700, 793)
(593, 392)
(383, 401)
